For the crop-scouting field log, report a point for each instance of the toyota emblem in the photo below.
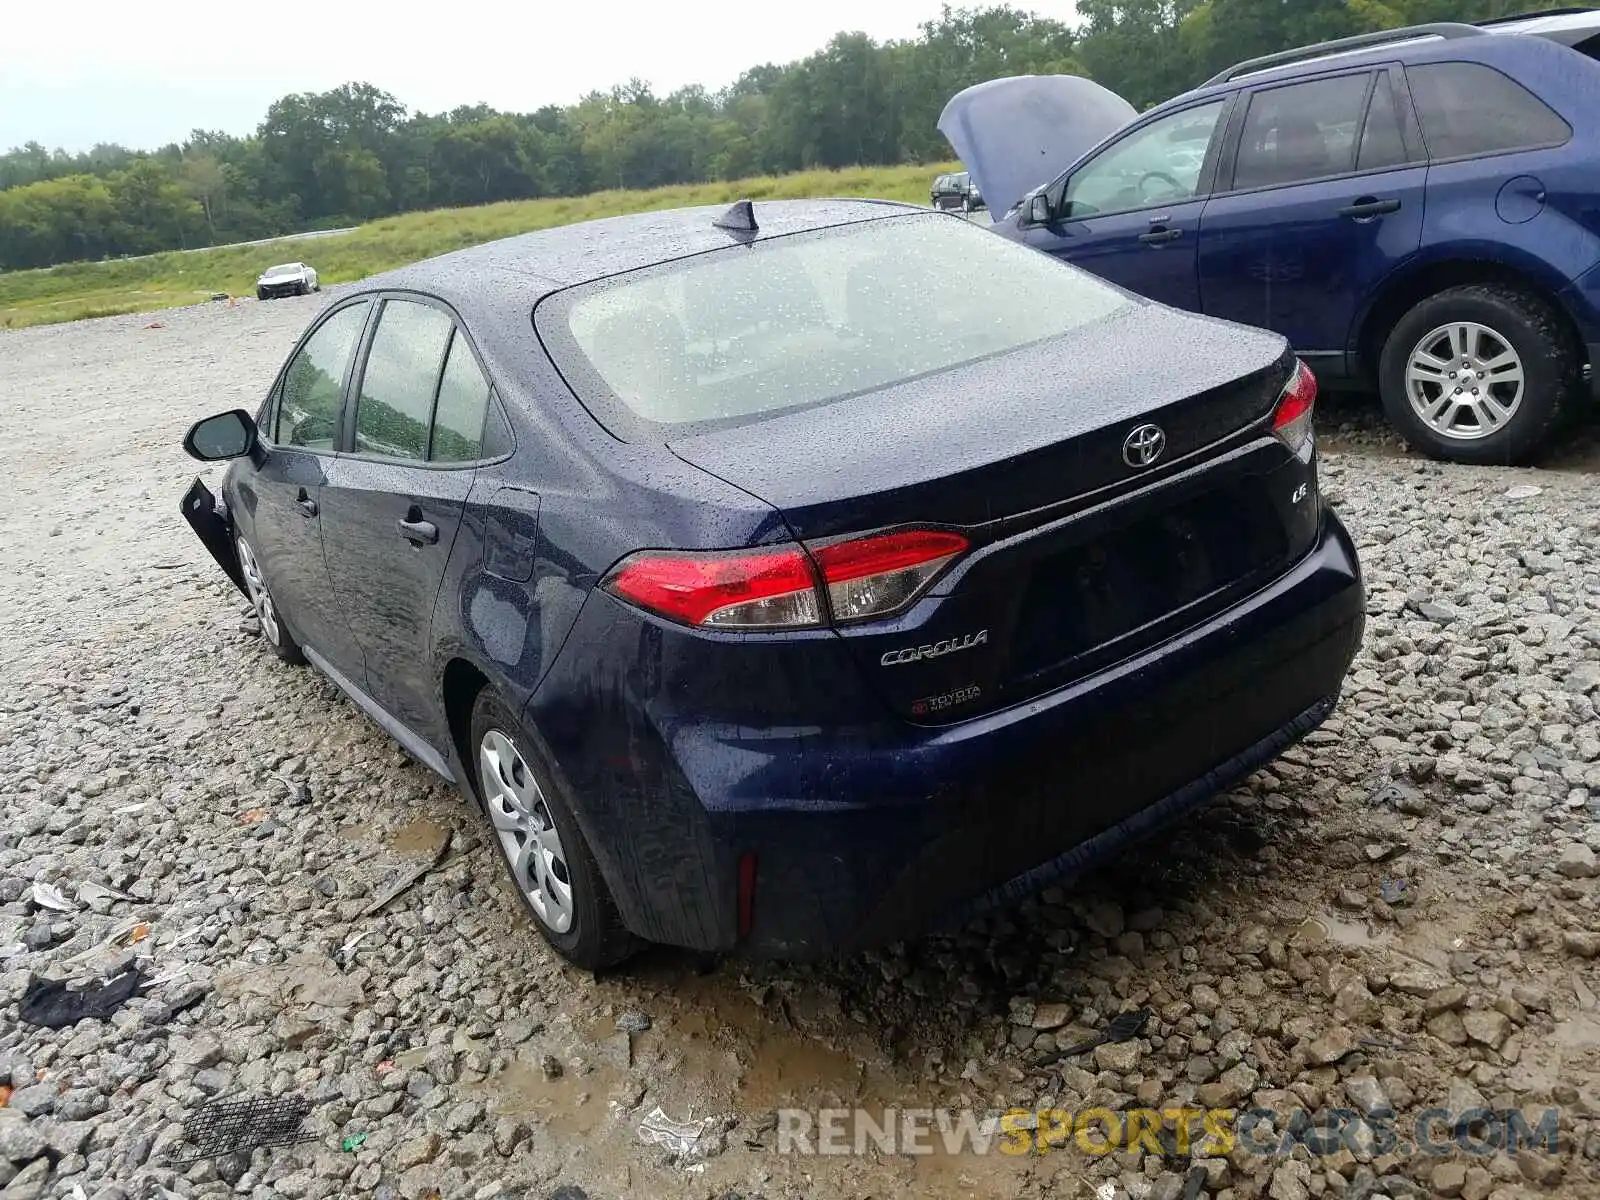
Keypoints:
(1143, 445)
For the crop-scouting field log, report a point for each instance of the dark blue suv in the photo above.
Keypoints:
(1417, 209)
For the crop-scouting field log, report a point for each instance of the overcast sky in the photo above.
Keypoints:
(77, 72)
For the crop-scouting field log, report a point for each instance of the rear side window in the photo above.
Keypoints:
(310, 400)
(1303, 131)
(398, 384)
(1468, 109)
(463, 400)
(1381, 142)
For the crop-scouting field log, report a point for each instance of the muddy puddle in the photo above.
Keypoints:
(717, 1049)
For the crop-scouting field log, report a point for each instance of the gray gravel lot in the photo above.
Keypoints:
(1402, 912)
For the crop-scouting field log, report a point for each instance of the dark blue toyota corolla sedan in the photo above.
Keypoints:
(764, 606)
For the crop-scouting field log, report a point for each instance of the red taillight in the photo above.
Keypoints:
(1292, 420)
(783, 587)
(740, 589)
(872, 576)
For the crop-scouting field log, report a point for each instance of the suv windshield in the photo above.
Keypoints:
(744, 333)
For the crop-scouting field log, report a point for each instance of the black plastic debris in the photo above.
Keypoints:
(1123, 1027)
(52, 1004)
(240, 1126)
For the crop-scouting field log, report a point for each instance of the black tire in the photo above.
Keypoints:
(1527, 324)
(596, 938)
(261, 293)
(274, 628)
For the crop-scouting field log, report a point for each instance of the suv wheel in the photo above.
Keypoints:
(273, 630)
(1479, 374)
(551, 867)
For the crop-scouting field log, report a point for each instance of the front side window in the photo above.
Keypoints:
(312, 389)
(1303, 131)
(1158, 164)
(742, 333)
(1468, 109)
(395, 406)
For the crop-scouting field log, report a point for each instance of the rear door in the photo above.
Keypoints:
(282, 497)
(1131, 213)
(1320, 196)
(392, 506)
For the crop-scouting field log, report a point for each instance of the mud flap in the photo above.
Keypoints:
(211, 527)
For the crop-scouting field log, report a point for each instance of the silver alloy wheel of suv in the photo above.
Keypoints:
(1464, 380)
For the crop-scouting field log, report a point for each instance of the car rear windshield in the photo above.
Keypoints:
(745, 333)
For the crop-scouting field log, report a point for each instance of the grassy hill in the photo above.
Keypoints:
(74, 291)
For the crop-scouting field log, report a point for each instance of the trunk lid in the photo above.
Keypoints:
(1016, 133)
(1023, 452)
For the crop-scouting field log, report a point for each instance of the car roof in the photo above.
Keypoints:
(1565, 27)
(1421, 45)
(526, 267)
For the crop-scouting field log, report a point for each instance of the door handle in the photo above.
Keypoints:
(1158, 236)
(418, 532)
(306, 505)
(1368, 207)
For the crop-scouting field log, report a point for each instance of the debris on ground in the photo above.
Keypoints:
(240, 1126)
(683, 1140)
(51, 1004)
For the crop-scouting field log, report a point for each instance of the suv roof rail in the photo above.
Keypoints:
(1535, 13)
(1439, 29)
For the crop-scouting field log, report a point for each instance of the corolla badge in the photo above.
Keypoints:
(911, 654)
(1143, 445)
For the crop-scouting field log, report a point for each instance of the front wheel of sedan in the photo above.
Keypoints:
(551, 867)
(273, 631)
(1481, 374)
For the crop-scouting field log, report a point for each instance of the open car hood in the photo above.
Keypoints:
(1023, 130)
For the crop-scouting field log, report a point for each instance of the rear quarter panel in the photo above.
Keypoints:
(1486, 209)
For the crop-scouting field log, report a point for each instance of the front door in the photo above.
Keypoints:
(281, 497)
(1132, 212)
(392, 507)
(1325, 198)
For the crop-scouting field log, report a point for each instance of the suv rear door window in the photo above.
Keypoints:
(1468, 109)
(1301, 131)
(1382, 144)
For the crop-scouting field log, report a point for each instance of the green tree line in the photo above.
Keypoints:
(355, 153)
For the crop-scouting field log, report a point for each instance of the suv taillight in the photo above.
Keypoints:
(785, 587)
(1292, 419)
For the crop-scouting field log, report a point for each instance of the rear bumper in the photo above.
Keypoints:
(867, 833)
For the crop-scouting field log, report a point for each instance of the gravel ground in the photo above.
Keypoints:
(1402, 911)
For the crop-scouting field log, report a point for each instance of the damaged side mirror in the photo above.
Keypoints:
(227, 435)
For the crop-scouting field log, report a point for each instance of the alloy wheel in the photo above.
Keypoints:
(1464, 381)
(526, 830)
(260, 598)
